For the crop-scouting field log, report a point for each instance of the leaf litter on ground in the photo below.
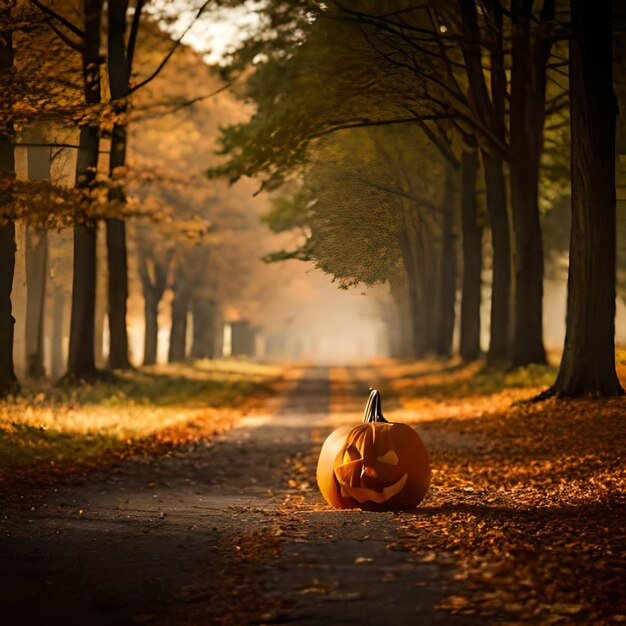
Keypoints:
(528, 498)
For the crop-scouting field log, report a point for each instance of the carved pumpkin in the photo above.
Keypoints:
(377, 465)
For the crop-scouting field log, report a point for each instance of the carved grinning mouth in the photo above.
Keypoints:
(363, 494)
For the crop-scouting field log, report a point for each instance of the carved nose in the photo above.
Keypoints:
(369, 471)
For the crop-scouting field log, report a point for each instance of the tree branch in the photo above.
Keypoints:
(62, 20)
(181, 105)
(365, 123)
(439, 143)
(173, 49)
(79, 47)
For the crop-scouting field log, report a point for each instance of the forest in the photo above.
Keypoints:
(224, 222)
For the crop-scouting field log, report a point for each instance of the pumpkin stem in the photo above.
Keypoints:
(373, 409)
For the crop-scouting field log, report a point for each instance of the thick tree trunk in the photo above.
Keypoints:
(202, 346)
(531, 50)
(8, 380)
(117, 293)
(527, 338)
(472, 233)
(81, 358)
(120, 63)
(178, 332)
(588, 363)
(151, 337)
(36, 270)
(501, 260)
(447, 268)
(58, 361)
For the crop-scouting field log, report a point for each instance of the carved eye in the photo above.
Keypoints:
(353, 453)
(390, 458)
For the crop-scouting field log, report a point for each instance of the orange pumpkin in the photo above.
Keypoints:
(377, 465)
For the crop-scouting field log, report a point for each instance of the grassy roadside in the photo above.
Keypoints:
(52, 431)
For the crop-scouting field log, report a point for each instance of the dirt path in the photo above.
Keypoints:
(231, 533)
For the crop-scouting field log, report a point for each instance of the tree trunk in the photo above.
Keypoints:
(447, 268)
(501, 259)
(120, 63)
(100, 318)
(527, 335)
(429, 300)
(151, 337)
(153, 274)
(588, 363)
(415, 316)
(490, 113)
(36, 270)
(530, 53)
(411, 292)
(8, 380)
(244, 340)
(178, 332)
(58, 362)
(202, 346)
(397, 320)
(472, 260)
(117, 293)
(81, 358)
(218, 331)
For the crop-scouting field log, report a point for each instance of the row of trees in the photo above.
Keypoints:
(385, 131)
(486, 84)
(88, 86)
(68, 89)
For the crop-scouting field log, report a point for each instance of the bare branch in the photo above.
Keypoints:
(178, 106)
(365, 123)
(439, 143)
(79, 47)
(59, 18)
(173, 49)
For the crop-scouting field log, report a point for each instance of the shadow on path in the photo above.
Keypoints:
(233, 532)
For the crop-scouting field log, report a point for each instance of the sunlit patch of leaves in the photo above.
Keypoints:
(46, 435)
